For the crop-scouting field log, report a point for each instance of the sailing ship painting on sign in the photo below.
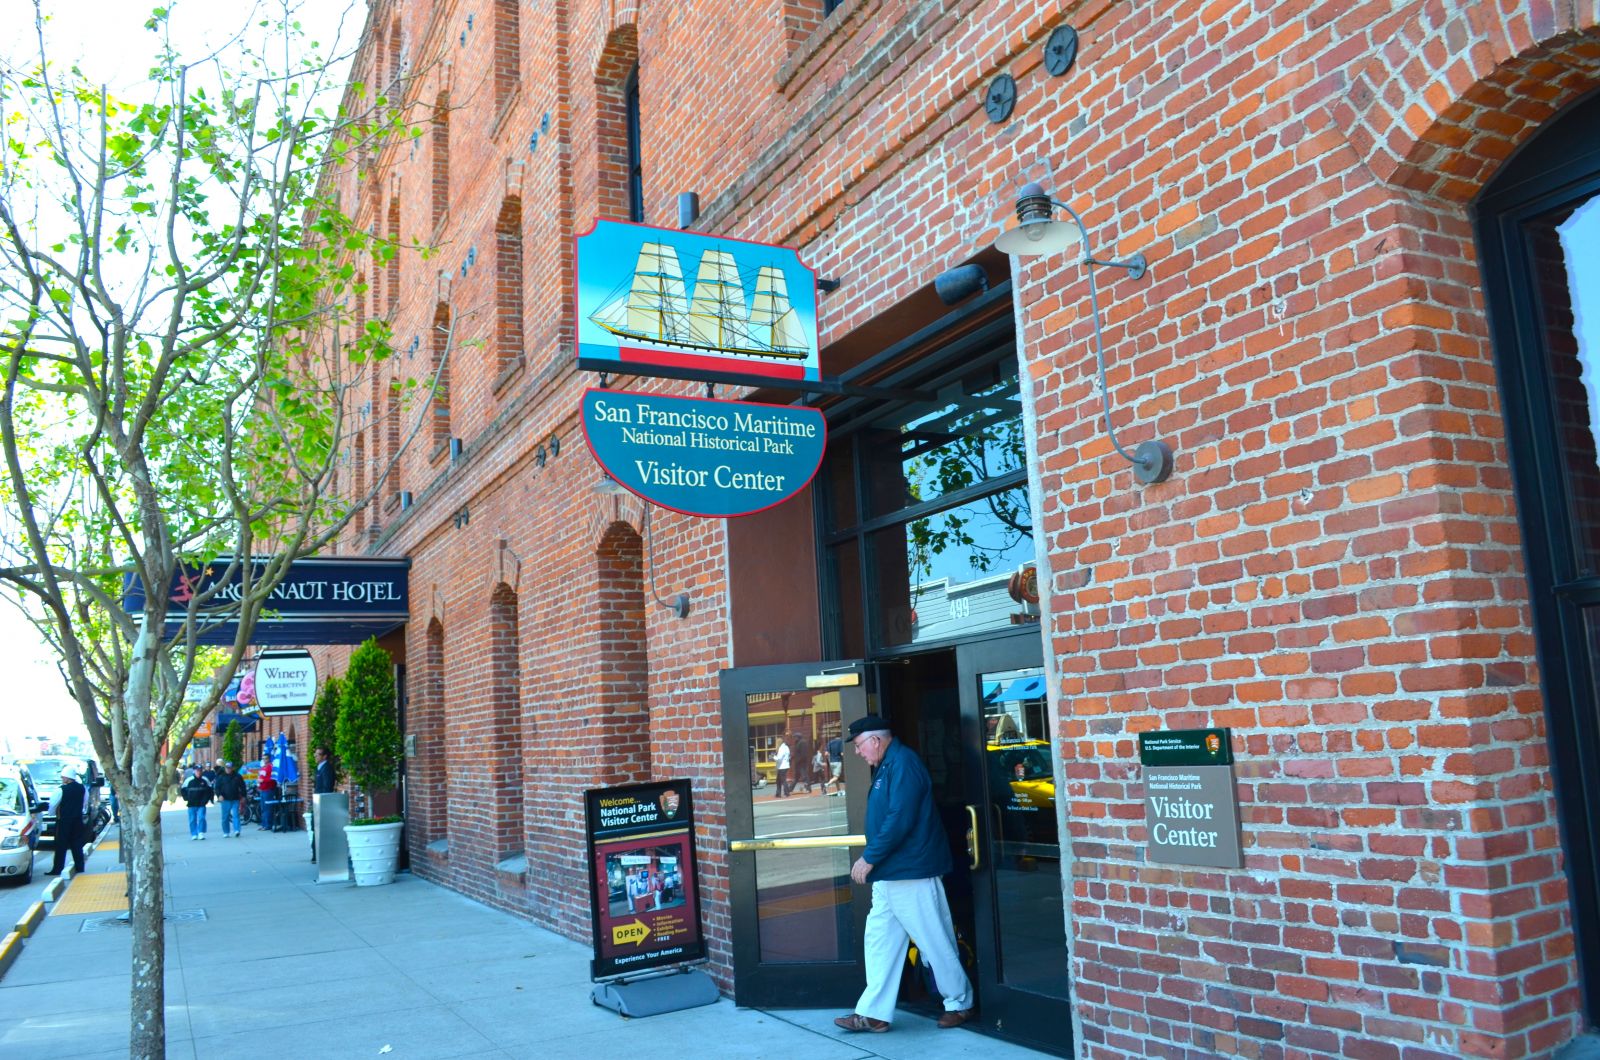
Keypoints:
(660, 302)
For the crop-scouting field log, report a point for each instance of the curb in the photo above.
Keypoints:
(53, 889)
(28, 923)
(10, 947)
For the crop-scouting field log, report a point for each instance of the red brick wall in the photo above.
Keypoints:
(1333, 570)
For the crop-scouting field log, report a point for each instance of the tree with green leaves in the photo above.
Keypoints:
(368, 738)
(324, 723)
(178, 337)
(233, 743)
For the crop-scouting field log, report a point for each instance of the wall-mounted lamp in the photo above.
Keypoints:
(455, 449)
(463, 518)
(678, 605)
(1039, 231)
(960, 283)
(405, 499)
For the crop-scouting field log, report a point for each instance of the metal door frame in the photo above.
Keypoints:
(1029, 1019)
(767, 985)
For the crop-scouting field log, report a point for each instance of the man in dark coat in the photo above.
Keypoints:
(907, 853)
(230, 792)
(324, 779)
(197, 795)
(69, 823)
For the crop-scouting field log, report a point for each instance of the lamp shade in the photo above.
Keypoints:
(1043, 235)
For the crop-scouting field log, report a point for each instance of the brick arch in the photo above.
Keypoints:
(623, 709)
(504, 751)
(1457, 91)
(508, 287)
(428, 773)
(617, 59)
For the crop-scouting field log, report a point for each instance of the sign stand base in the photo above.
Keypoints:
(689, 988)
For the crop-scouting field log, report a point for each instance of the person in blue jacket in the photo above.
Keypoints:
(906, 855)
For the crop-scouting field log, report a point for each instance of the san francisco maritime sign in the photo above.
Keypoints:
(704, 457)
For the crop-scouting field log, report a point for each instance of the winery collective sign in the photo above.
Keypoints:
(704, 457)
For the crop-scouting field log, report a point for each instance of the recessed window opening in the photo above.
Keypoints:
(630, 96)
(924, 509)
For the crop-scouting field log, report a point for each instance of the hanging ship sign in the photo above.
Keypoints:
(661, 302)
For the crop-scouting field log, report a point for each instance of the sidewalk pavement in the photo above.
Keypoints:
(262, 961)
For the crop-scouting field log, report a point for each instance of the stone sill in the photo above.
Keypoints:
(500, 118)
(512, 871)
(507, 375)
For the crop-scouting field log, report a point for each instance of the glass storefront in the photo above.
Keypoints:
(925, 514)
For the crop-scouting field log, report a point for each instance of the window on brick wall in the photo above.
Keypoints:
(391, 268)
(616, 134)
(505, 750)
(508, 286)
(441, 375)
(507, 52)
(441, 160)
(358, 475)
(377, 421)
(391, 87)
(830, 6)
(392, 415)
(922, 505)
(630, 97)
(428, 774)
(1539, 248)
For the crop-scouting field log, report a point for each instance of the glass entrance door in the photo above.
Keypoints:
(1017, 889)
(796, 803)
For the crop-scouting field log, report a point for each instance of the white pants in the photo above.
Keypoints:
(905, 911)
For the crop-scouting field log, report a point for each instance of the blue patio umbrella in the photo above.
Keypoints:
(284, 767)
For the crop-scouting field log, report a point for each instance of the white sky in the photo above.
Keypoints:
(108, 40)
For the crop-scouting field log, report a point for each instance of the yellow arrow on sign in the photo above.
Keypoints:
(635, 932)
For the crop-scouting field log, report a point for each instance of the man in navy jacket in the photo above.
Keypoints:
(906, 855)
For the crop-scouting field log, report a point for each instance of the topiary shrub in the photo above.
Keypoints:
(324, 725)
(368, 740)
(233, 743)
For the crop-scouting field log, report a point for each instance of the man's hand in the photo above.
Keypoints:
(859, 870)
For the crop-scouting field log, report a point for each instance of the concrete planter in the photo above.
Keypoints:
(374, 851)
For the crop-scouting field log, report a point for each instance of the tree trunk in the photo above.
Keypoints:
(147, 1032)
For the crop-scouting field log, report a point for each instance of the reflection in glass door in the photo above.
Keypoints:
(1018, 893)
(790, 811)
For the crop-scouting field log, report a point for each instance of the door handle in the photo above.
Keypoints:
(810, 842)
(972, 837)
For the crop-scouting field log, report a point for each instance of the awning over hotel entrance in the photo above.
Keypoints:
(324, 600)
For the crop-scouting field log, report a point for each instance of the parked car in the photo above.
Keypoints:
(46, 773)
(21, 822)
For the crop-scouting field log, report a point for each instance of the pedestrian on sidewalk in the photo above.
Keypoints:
(230, 790)
(780, 762)
(69, 823)
(907, 853)
(267, 788)
(323, 784)
(197, 796)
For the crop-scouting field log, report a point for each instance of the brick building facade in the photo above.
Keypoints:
(1335, 571)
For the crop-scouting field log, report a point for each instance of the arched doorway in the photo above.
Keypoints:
(1539, 236)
